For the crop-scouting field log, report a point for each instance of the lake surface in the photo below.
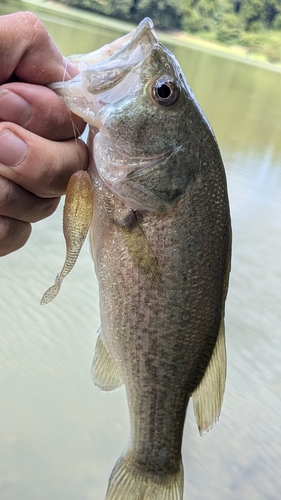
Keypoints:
(59, 435)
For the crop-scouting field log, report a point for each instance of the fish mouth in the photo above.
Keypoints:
(102, 70)
(111, 82)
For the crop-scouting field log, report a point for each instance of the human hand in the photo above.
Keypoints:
(38, 148)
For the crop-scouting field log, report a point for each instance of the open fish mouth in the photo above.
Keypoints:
(103, 70)
(133, 95)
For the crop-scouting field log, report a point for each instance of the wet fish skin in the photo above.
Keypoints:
(161, 341)
(159, 183)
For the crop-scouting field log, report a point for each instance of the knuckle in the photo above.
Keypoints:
(44, 208)
(70, 157)
(23, 205)
(32, 22)
(13, 235)
(6, 193)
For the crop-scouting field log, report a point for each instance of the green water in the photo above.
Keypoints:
(59, 435)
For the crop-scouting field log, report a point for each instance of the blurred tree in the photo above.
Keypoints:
(166, 14)
(84, 4)
(277, 22)
(259, 13)
(206, 15)
(199, 15)
(255, 24)
(271, 9)
(229, 29)
(116, 8)
(272, 47)
(122, 9)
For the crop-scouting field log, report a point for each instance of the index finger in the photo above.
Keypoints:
(29, 53)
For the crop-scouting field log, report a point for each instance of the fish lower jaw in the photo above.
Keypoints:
(123, 175)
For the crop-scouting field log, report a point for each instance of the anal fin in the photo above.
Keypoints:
(104, 370)
(207, 397)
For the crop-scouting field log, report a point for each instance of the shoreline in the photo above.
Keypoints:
(46, 8)
(234, 52)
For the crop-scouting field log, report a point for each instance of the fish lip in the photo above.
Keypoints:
(84, 93)
(130, 40)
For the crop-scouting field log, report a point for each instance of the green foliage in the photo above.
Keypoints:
(229, 29)
(262, 12)
(277, 22)
(201, 15)
(254, 41)
(264, 42)
(118, 8)
(251, 15)
(192, 22)
(255, 24)
(272, 48)
(166, 14)
(121, 9)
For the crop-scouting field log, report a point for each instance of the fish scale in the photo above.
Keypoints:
(160, 239)
(145, 312)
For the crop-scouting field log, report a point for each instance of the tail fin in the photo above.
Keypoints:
(128, 482)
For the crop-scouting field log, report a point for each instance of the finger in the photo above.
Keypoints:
(17, 203)
(13, 235)
(40, 166)
(38, 109)
(28, 52)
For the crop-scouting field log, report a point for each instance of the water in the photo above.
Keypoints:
(59, 435)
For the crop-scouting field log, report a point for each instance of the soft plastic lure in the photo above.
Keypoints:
(77, 217)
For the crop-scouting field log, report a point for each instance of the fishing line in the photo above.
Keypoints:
(64, 70)
(76, 131)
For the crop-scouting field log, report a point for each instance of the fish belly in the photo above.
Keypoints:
(161, 333)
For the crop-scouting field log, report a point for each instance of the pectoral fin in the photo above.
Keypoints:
(77, 217)
(104, 371)
(207, 397)
(138, 246)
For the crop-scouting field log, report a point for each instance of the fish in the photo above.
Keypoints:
(160, 235)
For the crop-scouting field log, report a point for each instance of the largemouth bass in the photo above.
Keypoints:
(160, 239)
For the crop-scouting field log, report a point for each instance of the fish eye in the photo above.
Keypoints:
(164, 91)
